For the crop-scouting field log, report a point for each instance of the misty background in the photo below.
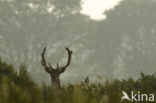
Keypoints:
(120, 44)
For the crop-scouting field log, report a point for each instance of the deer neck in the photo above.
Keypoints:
(56, 81)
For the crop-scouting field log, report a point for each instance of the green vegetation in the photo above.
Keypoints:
(120, 46)
(17, 87)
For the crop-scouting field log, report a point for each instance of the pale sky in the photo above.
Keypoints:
(95, 8)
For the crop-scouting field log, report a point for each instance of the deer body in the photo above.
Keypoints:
(55, 72)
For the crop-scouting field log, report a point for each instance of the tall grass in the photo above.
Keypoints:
(19, 88)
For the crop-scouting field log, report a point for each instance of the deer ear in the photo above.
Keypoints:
(61, 70)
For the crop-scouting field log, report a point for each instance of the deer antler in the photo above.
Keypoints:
(68, 62)
(50, 68)
(44, 64)
(69, 57)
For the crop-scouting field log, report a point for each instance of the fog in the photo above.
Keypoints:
(120, 46)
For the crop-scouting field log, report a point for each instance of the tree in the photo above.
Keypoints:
(27, 26)
(125, 40)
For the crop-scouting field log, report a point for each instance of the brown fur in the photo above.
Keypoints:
(55, 72)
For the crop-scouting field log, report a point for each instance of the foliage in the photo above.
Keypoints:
(120, 46)
(17, 87)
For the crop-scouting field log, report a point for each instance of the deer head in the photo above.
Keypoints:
(55, 72)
